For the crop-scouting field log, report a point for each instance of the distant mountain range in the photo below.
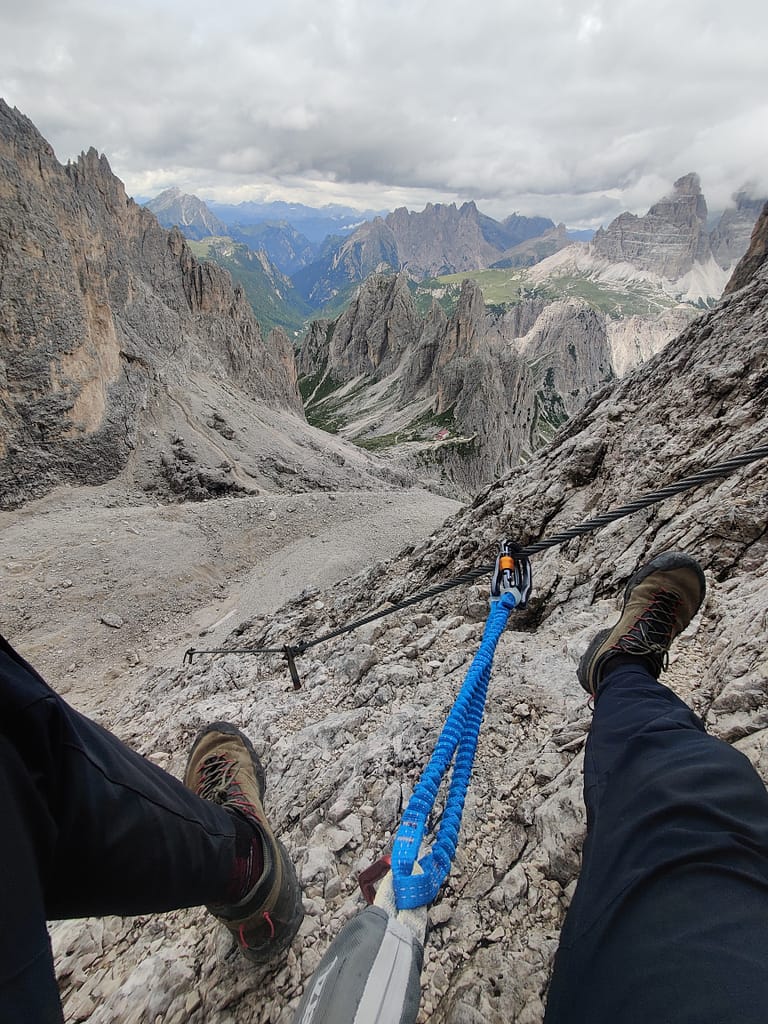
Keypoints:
(314, 223)
(671, 252)
(441, 239)
(325, 268)
(126, 355)
(328, 250)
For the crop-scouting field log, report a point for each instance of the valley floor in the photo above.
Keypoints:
(173, 576)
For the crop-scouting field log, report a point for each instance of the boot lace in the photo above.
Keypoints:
(653, 632)
(218, 782)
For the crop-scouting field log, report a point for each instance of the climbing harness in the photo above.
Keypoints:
(291, 651)
(510, 588)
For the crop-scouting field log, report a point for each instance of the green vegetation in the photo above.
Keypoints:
(549, 415)
(425, 293)
(504, 288)
(274, 300)
(379, 443)
(423, 428)
(635, 299)
(464, 447)
(499, 287)
(307, 384)
(338, 304)
(322, 409)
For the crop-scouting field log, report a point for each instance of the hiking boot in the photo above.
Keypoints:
(659, 602)
(223, 767)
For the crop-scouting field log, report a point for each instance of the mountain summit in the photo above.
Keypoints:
(667, 240)
(174, 208)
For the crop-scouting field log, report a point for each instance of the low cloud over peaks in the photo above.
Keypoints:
(574, 111)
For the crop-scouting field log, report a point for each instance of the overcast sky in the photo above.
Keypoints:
(575, 110)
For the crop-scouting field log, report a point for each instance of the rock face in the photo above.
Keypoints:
(754, 257)
(176, 209)
(730, 239)
(343, 755)
(668, 240)
(465, 397)
(571, 341)
(441, 239)
(671, 240)
(119, 351)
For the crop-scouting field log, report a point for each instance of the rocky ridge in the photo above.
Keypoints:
(462, 399)
(121, 353)
(343, 754)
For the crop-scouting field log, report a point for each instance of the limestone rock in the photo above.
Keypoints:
(755, 256)
(668, 240)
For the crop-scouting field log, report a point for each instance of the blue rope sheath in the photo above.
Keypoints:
(459, 736)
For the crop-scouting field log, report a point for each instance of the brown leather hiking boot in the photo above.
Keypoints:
(659, 602)
(224, 767)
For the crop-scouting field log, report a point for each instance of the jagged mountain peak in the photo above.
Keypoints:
(687, 185)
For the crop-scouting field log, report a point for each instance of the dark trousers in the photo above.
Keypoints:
(669, 921)
(87, 827)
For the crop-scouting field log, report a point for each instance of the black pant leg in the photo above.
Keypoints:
(28, 990)
(126, 838)
(669, 921)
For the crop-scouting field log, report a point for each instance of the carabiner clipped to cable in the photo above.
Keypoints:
(512, 574)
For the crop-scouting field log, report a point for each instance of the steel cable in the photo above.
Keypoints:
(722, 469)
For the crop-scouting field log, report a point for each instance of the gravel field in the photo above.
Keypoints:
(96, 587)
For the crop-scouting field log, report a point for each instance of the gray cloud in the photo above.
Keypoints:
(576, 110)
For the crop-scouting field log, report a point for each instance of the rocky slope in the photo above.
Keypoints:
(343, 754)
(120, 352)
(754, 257)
